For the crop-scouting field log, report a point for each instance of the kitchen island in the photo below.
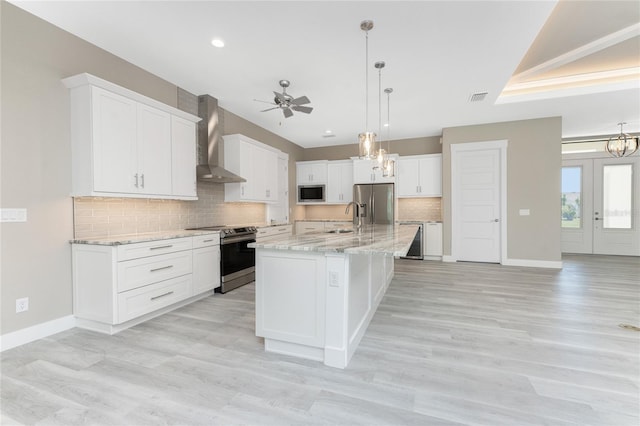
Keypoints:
(317, 292)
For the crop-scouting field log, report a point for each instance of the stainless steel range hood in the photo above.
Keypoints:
(209, 139)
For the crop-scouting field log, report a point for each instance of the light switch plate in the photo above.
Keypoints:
(524, 212)
(13, 215)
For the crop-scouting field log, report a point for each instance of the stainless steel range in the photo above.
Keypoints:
(237, 261)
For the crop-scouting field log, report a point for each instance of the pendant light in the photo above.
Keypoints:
(366, 139)
(622, 145)
(380, 154)
(389, 164)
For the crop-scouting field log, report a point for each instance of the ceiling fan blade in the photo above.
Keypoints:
(304, 109)
(266, 102)
(269, 109)
(287, 112)
(301, 100)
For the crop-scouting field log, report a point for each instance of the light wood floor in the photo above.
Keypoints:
(450, 344)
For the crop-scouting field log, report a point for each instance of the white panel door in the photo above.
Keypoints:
(477, 203)
(616, 216)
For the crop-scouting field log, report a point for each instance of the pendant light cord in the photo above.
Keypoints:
(366, 82)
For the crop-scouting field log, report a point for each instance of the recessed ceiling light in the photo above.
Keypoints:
(386, 124)
(217, 42)
(328, 131)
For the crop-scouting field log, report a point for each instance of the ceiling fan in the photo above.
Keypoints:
(287, 103)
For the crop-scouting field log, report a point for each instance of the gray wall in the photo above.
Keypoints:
(533, 182)
(36, 157)
(415, 146)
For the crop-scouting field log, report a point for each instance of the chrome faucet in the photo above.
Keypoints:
(356, 211)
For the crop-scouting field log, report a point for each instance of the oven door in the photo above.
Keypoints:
(236, 259)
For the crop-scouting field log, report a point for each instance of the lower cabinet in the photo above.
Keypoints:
(206, 263)
(117, 286)
(272, 232)
(304, 226)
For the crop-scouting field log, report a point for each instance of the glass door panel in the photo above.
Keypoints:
(571, 197)
(617, 191)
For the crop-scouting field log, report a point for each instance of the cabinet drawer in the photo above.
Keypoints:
(140, 272)
(337, 225)
(152, 248)
(134, 303)
(206, 240)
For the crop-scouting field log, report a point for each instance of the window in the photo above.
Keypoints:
(571, 197)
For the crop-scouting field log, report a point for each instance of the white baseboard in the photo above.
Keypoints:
(520, 262)
(534, 263)
(40, 331)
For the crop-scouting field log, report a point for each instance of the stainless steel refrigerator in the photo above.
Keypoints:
(375, 203)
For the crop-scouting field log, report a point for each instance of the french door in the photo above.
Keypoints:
(600, 211)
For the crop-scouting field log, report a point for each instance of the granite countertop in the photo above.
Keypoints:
(346, 219)
(139, 238)
(388, 239)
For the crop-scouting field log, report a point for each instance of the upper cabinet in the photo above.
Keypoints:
(124, 144)
(339, 182)
(367, 171)
(311, 172)
(255, 162)
(420, 176)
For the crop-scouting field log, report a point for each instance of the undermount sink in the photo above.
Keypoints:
(339, 231)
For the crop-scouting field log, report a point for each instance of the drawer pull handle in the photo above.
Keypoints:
(207, 241)
(160, 269)
(161, 247)
(162, 295)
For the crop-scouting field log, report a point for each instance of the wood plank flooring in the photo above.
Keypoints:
(457, 343)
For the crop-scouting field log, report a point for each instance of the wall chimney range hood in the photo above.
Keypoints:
(209, 139)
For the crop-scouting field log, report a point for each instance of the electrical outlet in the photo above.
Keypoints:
(22, 304)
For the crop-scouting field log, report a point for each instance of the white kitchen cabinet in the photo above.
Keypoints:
(432, 241)
(368, 171)
(278, 212)
(311, 172)
(183, 156)
(339, 182)
(267, 233)
(118, 286)
(329, 225)
(255, 162)
(303, 227)
(122, 143)
(206, 263)
(420, 176)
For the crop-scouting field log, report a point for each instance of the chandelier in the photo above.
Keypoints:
(622, 145)
(366, 139)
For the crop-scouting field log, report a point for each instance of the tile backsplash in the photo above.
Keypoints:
(99, 217)
(425, 209)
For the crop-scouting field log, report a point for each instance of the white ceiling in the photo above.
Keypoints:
(437, 54)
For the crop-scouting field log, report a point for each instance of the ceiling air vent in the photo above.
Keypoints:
(478, 97)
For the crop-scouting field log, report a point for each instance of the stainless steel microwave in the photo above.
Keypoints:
(311, 193)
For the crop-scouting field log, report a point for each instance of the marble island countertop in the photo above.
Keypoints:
(139, 238)
(387, 239)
